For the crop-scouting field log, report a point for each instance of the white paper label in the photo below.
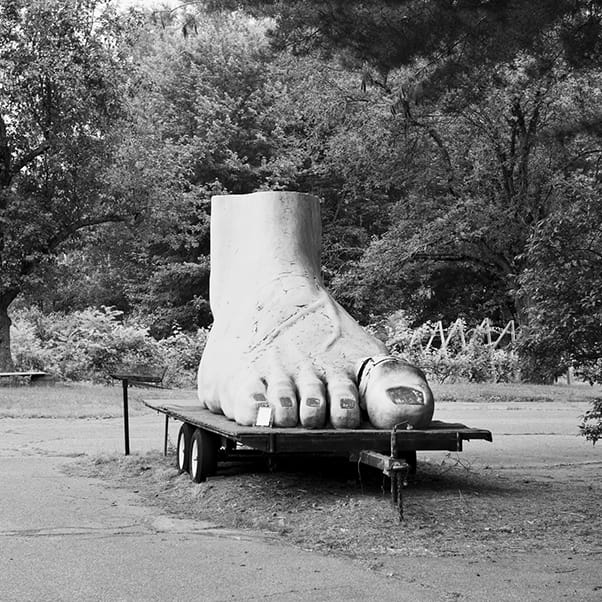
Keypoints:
(264, 416)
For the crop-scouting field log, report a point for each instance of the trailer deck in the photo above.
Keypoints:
(439, 436)
(206, 437)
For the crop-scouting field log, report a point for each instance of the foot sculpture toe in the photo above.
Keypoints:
(282, 398)
(312, 401)
(250, 395)
(343, 402)
(395, 392)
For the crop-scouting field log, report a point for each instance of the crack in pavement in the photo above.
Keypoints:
(159, 526)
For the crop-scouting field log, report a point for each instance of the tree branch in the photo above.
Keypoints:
(85, 223)
(456, 258)
(592, 251)
(29, 156)
(434, 135)
(28, 265)
(4, 155)
(480, 254)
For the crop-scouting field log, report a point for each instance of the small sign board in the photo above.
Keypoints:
(264, 416)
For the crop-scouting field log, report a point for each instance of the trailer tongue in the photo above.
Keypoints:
(205, 438)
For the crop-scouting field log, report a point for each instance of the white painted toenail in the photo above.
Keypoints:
(347, 403)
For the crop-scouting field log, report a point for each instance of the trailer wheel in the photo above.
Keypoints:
(204, 446)
(183, 449)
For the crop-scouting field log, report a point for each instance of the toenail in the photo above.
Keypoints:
(347, 403)
(406, 396)
(259, 397)
(286, 402)
(312, 402)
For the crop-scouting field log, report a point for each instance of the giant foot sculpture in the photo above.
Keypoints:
(280, 339)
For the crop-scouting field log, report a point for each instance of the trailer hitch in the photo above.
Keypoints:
(392, 466)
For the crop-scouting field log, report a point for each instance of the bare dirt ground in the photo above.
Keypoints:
(518, 519)
(523, 513)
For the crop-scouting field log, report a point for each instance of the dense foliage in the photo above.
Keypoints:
(88, 345)
(496, 116)
(591, 427)
(564, 282)
(469, 359)
(64, 79)
(455, 147)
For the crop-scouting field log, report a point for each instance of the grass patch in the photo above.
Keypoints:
(76, 400)
(514, 392)
(82, 400)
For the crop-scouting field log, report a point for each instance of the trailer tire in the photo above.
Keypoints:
(183, 448)
(204, 446)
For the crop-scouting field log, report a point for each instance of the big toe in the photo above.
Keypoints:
(395, 392)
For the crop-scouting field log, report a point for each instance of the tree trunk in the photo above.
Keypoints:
(6, 360)
(522, 307)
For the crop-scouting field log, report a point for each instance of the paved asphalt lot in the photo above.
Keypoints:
(72, 538)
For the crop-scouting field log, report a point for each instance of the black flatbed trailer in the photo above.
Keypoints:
(205, 438)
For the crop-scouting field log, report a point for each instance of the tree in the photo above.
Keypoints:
(220, 112)
(207, 111)
(63, 82)
(479, 188)
(563, 282)
(455, 37)
(490, 96)
(438, 154)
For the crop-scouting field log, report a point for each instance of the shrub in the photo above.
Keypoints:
(181, 353)
(591, 427)
(27, 349)
(590, 372)
(474, 361)
(90, 344)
